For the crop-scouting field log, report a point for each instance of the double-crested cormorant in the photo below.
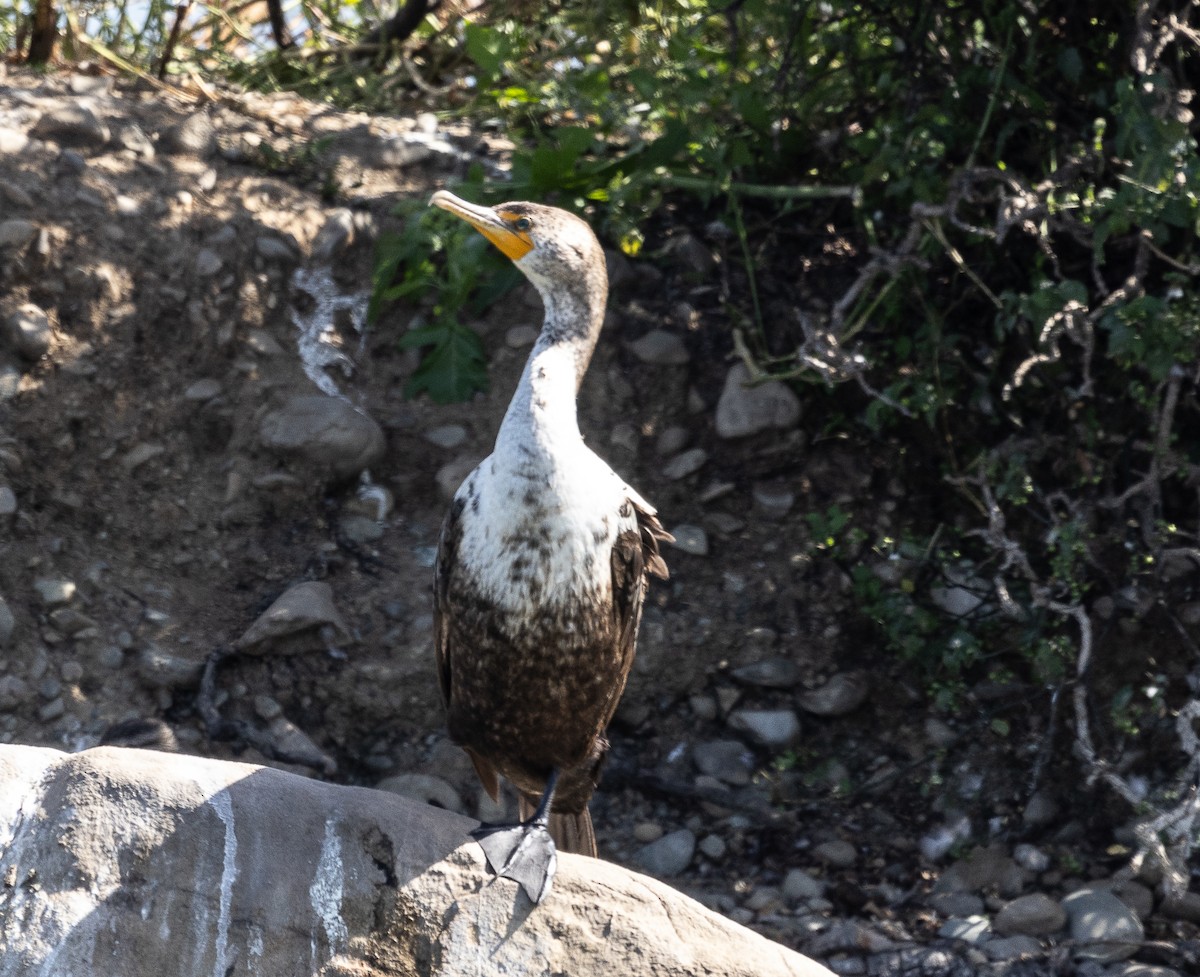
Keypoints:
(542, 566)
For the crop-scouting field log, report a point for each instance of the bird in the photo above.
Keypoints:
(543, 565)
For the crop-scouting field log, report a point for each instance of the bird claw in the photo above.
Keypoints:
(523, 852)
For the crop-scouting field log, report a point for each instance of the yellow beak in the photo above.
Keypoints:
(488, 222)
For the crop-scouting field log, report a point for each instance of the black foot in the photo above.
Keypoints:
(522, 852)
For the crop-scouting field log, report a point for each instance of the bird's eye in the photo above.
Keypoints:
(522, 223)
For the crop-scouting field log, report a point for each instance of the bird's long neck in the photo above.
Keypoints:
(542, 419)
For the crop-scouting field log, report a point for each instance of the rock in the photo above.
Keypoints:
(203, 391)
(684, 464)
(16, 233)
(164, 668)
(668, 856)
(1033, 915)
(425, 788)
(71, 125)
(28, 332)
(54, 591)
(672, 440)
(773, 500)
(1040, 810)
(842, 694)
(8, 624)
(12, 140)
(799, 886)
(1184, 906)
(518, 337)
(713, 846)
(446, 435)
(984, 869)
(955, 904)
(141, 453)
(1013, 948)
(335, 235)
(292, 745)
(14, 691)
(303, 617)
(836, 853)
(148, 864)
(327, 431)
(1031, 858)
(194, 136)
(775, 729)
(727, 760)
(645, 832)
(660, 348)
(8, 504)
(972, 929)
(744, 410)
(208, 263)
(690, 539)
(771, 673)
(451, 475)
(1102, 926)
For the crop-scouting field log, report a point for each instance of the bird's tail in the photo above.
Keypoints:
(571, 832)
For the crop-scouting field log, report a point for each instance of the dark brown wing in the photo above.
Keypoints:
(634, 555)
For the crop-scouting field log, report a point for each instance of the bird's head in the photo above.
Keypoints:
(552, 247)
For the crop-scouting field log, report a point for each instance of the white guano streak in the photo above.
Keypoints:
(224, 808)
(328, 887)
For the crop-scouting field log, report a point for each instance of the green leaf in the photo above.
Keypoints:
(453, 370)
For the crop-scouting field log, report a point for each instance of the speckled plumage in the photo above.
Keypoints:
(543, 559)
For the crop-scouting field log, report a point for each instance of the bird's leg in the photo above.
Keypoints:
(523, 852)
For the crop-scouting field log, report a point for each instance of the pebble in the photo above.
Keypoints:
(518, 337)
(1040, 809)
(274, 248)
(645, 832)
(208, 263)
(668, 856)
(68, 621)
(8, 503)
(16, 233)
(770, 673)
(672, 440)
(335, 235)
(727, 760)
(265, 707)
(836, 853)
(684, 464)
(446, 435)
(52, 710)
(141, 453)
(660, 348)
(971, 929)
(772, 500)
(71, 125)
(203, 390)
(10, 381)
(450, 476)
(360, 529)
(842, 694)
(28, 332)
(772, 728)
(799, 886)
(982, 870)
(194, 136)
(161, 668)
(54, 591)
(1031, 858)
(691, 539)
(13, 692)
(1012, 948)
(955, 903)
(1102, 926)
(328, 431)
(744, 410)
(306, 607)
(8, 624)
(293, 745)
(12, 140)
(425, 788)
(713, 846)
(1035, 914)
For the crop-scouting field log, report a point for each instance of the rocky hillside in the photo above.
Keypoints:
(218, 515)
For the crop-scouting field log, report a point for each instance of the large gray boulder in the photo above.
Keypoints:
(118, 861)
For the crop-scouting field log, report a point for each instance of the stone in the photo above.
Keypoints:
(335, 235)
(668, 856)
(690, 539)
(984, 869)
(71, 125)
(151, 864)
(12, 140)
(16, 233)
(8, 503)
(208, 263)
(303, 617)
(835, 853)
(1031, 858)
(14, 691)
(972, 929)
(660, 348)
(799, 886)
(1013, 948)
(775, 729)
(446, 435)
(1102, 926)
(194, 136)
(743, 410)
(27, 330)
(54, 591)
(773, 500)
(842, 694)
(1035, 914)
(713, 847)
(327, 431)
(203, 390)
(684, 464)
(727, 760)
(451, 475)
(8, 624)
(166, 668)
(955, 903)
(424, 788)
(770, 673)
